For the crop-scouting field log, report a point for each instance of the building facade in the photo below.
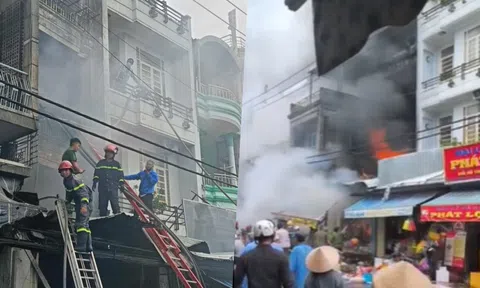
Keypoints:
(448, 85)
(219, 86)
(74, 53)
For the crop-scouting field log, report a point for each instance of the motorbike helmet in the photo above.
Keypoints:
(263, 229)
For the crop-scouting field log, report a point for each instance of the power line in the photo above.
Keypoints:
(278, 84)
(108, 140)
(236, 7)
(163, 113)
(35, 95)
(415, 139)
(218, 17)
(413, 134)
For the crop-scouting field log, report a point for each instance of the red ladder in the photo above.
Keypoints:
(161, 239)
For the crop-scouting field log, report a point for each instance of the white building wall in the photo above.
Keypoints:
(441, 29)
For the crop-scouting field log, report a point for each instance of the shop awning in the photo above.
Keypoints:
(395, 205)
(459, 206)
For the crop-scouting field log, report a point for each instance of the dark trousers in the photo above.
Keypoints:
(82, 227)
(148, 200)
(105, 196)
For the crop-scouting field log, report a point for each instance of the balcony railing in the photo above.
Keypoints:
(172, 215)
(168, 13)
(213, 90)
(16, 78)
(11, 211)
(239, 41)
(450, 75)
(23, 150)
(71, 11)
(170, 107)
(232, 181)
(442, 5)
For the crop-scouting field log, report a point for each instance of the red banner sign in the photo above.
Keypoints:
(463, 213)
(462, 163)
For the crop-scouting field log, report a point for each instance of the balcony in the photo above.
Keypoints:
(66, 21)
(447, 16)
(157, 16)
(221, 105)
(11, 211)
(18, 156)
(458, 81)
(230, 180)
(135, 106)
(15, 121)
(238, 45)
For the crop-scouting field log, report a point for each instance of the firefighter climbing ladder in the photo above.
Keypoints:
(83, 266)
(162, 240)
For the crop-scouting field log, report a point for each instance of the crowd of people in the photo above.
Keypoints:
(266, 257)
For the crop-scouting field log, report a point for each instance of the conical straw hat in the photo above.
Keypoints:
(323, 259)
(401, 275)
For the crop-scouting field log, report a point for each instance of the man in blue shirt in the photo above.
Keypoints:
(297, 260)
(148, 179)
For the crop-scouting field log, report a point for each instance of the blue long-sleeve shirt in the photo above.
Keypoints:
(147, 181)
(297, 264)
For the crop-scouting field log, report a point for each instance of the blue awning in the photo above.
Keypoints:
(456, 198)
(395, 205)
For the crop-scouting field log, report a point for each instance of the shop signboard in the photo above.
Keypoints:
(454, 213)
(379, 213)
(462, 163)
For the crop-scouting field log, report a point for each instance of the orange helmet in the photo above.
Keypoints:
(111, 148)
(65, 165)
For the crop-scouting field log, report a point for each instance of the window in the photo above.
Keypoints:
(472, 44)
(471, 130)
(310, 140)
(153, 77)
(445, 124)
(163, 187)
(446, 60)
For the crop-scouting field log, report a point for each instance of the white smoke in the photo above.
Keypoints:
(282, 181)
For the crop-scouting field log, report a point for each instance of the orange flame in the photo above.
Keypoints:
(380, 146)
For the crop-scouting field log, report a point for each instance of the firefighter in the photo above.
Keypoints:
(108, 176)
(81, 195)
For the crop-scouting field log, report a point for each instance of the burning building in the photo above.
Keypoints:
(377, 121)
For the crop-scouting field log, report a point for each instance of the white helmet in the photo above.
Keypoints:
(263, 228)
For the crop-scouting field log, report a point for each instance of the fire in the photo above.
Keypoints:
(380, 146)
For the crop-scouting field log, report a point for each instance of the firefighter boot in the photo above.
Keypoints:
(82, 239)
(89, 243)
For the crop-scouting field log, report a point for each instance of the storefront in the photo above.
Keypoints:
(457, 213)
(391, 217)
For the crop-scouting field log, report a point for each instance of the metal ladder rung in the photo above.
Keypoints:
(87, 270)
(88, 277)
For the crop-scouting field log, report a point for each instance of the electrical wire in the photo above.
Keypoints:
(236, 7)
(158, 106)
(218, 17)
(280, 83)
(109, 140)
(167, 120)
(413, 134)
(37, 96)
(383, 149)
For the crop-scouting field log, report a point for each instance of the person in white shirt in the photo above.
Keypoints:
(282, 237)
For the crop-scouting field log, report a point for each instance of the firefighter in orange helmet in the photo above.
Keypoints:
(81, 194)
(108, 176)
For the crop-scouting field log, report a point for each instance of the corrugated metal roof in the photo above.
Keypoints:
(432, 178)
(409, 166)
(215, 256)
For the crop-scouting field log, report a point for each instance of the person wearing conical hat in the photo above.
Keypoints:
(401, 275)
(323, 263)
